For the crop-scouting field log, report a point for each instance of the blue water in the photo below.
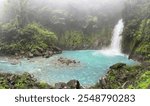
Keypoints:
(92, 66)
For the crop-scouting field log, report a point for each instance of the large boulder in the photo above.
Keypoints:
(74, 84)
(118, 66)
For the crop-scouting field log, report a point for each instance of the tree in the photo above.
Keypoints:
(16, 10)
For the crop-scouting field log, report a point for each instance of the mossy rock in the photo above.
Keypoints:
(118, 66)
(23, 81)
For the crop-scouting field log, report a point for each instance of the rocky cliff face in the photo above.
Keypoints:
(136, 35)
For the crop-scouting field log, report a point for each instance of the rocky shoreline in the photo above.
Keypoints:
(122, 76)
(119, 76)
(46, 53)
(27, 81)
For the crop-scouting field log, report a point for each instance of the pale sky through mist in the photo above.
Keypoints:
(76, 2)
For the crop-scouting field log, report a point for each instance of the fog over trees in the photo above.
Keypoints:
(77, 24)
(43, 28)
(82, 23)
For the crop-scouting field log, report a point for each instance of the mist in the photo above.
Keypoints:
(76, 43)
(74, 6)
(90, 19)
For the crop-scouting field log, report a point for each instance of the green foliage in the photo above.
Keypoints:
(24, 81)
(37, 35)
(126, 77)
(144, 47)
(43, 85)
(72, 39)
(136, 36)
(136, 39)
(78, 40)
(31, 37)
(144, 81)
(94, 23)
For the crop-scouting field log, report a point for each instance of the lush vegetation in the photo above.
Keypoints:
(76, 28)
(121, 76)
(32, 38)
(18, 36)
(136, 35)
(136, 43)
(35, 30)
(28, 81)
(24, 81)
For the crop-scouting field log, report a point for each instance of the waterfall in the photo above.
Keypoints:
(115, 46)
(116, 38)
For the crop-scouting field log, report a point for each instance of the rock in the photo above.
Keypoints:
(57, 50)
(67, 61)
(117, 66)
(17, 57)
(37, 53)
(16, 54)
(10, 78)
(41, 50)
(30, 55)
(46, 56)
(74, 84)
(103, 81)
(50, 53)
(15, 62)
(74, 61)
(61, 85)
(22, 52)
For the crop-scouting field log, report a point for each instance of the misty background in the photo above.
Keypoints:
(90, 21)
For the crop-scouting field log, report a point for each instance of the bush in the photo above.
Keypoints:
(72, 39)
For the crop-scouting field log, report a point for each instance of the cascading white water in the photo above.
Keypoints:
(115, 47)
(116, 38)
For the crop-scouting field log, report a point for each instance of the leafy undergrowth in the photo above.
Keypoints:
(121, 76)
(32, 39)
(143, 82)
(28, 81)
(24, 81)
(136, 34)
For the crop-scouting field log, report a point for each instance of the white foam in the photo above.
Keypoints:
(115, 46)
